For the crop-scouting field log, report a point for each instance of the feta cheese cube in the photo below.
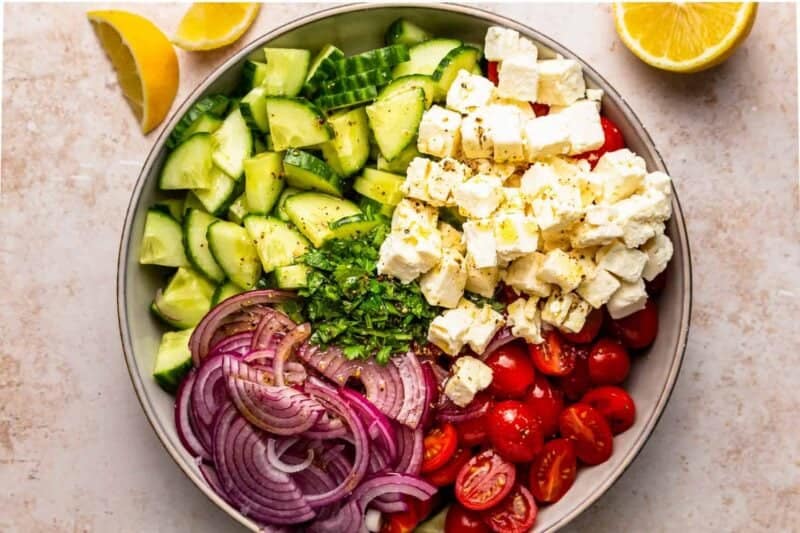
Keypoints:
(525, 320)
(516, 234)
(623, 174)
(653, 206)
(486, 166)
(558, 210)
(487, 322)
(595, 95)
(660, 182)
(410, 214)
(479, 196)
(418, 174)
(521, 274)
(546, 136)
(475, 139)
(512, 200)
(561, 269)
(500, 43)
(481, 244)
(557, 307)
(634, 233)
(585, 235)
(444, 284)
(505, 130)
(560, 82)
(523, 108)
(481, 281)
(451, 238)
(539, 181)
(629, 298)
(659, 251)
(577, 316)
(447, 330)
(469, 92)
(585, 129)
(405, 257)
(518, 77)
(447, 174)
(624, 262)
(439, 132)
(598, 287)
(469, 376)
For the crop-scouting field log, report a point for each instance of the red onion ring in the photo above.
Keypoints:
(274, 458)
(379, 427)
(405, 484)
(289, 342)
(209, 393)
(450, 412)
(183, 424)
(501, 338)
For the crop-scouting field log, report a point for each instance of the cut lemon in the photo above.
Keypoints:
(144, 60)
(683, 36)
(210, 26)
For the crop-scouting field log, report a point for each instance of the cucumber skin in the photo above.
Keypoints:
(297, 164)
(216, 104)
(401, 31)
(351, 131)
(378, 125)
(312, 212)
(218, 275)
(234, 274)
(329, 102)
(279, 107)
(157, 215)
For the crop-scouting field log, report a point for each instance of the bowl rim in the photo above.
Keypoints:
(137, 379)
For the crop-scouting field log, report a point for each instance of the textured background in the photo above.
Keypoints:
(76, 453)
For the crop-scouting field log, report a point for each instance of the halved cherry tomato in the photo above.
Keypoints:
(613, 141)
(576, 383)
(512, 371)
(472, 432)
(590, 329)
(609, 362)
(461, 520)
(485, 480)
(550, 357)
(553, 471)
(447, 473)
(547, 403)
(638, 330)
(508, 294)
(614, 404)
(657, 284)
(514, 431)
(540, 110)
(515, 514)
(440, 445)
(589, 433)
(403, 522)
(491, 72)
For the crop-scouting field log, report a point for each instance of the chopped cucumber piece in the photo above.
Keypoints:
(291, 277)
(225, 291)
(280, 211)
(313, 212)
(185, 300)
(403, 83)
(173, 359)
(259, 145)
(348, 151)
(374, 59)
(355, 225)
(395, 121)
(254, 109)
(286, 71)
(277, 243)
(238, 209)
(219, 195)
(195, 229)
(205, 123)
(381, 186)
(213, 106)
(477, 70)
(189, 165)
(304, 171)
(368, 78)
(233, 144)
(404, 32)
(317, 75)
(295, 123)
(191, 202)
(171, 206)
(254, 73)
(263, 181)
(372, 208)
(425, 57)
(401, 162)
(329, 102)
(461, 58)
(162, 243)
(234, 251)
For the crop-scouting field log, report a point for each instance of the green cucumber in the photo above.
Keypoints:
(395, 121)
(295, 123)
(374, 59)
(383, 187)
(171, 206)
(238, 209)
(425, 57)
(404, 83)
(401, 162)
(259, 145)
(189, 165)
(348, 151)
(286, 70)
(313, 212)
(159, 244)
(195, 229)
(280, 210)
(304, 171)
(213, 106)
(254, 73)
(173, 359)
(233, 143)
(292, 276)
(316, 74)
(461, 58)
(371, 207)
(185, 300)
(191, 202)
(378, 78)
(477, 70)
(254, 109)
(205, 123)
(355, 225)
(277, 243)
(404, 32)
(330, 102)
(234, 251)
(263, 181)
(225, 291)
(219, 195)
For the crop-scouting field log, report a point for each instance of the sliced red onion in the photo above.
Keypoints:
(440, 373)
(327, 428)
(349, 519)
(212, 478)
(410, 449)
(335, 462)
(413, 390)
(238, 344)
(272, 324)
(386, 504)
(208, 394)
(274, 458)
(405, 484)
(431, 388)
(450, 412)
(289, 342)
(501, 338)
(379, 427)
(183, 423)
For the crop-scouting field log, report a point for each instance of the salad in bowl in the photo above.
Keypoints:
(404, 284)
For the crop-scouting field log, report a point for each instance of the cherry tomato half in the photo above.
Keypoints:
(485, 480)
(491, 72)
(512, 371)
(447, 473)
(613, 141)
(576, 383)
(550, 357)
(515, 514)
(461, 520)
(553, 471)
(614, 404)
(547, 403)
(540, 110)
(609, 362)
(638, 330)
(403, 522)
(590, 329)
(657, 284)
(440, 445)
(514, 431)
(472, 432)
(589, 433)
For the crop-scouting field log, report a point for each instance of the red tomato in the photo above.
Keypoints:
(514, 431)
(547, 403)
(404, 522)
(440, 445)
(512, 371)
(508, 294)
(461, 520)
(614, 141)
(590, 329)
(609, 362)
(589, 433)
(638, 330)
(614, 404)
(447, 473)
(657, 285)
(472, 432)
(491, 71)
(550, 357)
(553, 471)
(576, 383)
(540, 110)
(485, 480)
(515, 514)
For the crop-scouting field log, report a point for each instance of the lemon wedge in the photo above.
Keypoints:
(214, 25)
(683, 36)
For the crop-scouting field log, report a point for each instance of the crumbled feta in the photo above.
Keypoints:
(487, 166)
(653, 206)
(635, 234)
(583, 123)
(538, 180)
(444, 284)
(447, 330)
(660, 182)
(487, 322)
(585, 235)
(451, 238)
(560, 82)
(594, 94)
(546, 136)
(481, 245)
(623, 174)
(481, 281)
(525, 320)
(479, 196)
(558, 210)
(469, 92)
(518, 77)
(557, 307)
(500, 43)
(561, 269)
(598, 287)
(469, 376)
(411, 214)
(629, 298)
(659, 251)
(521, 274)
(406, 256)
(625, 263)
(512, 200)
(576, 317)
(418, 174)
(515, 233)
(439, 132)
(475, 139)
(505, 130)
(448, 174)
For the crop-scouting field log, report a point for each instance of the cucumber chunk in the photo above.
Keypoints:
(254, 73)
(233, 144)
(316, 73)
(403, 83)
(162, 243)
(372, 208)
(399, 164)
(185, 300)
(280, 210)
(277, 243)
(378, 78)
(205, 123)
(191, 202)
(259, 145)
(313, 212)
(383, 187)
(225, 291)
(263, 181)
(348, 151)
(330, 102)
(395, 121)
(189, 165)
(219, 195)
(286, 70)
(173, 359)
(404, 32)
(295, 123)
(254, 109)
(425, 57)
(304, 171)
(374, 59)
(238, 209)
(292, 276)
(171, 206)
(213, 106)
(195, 229)
(463, 57)
(234, 251)
(355, 225)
